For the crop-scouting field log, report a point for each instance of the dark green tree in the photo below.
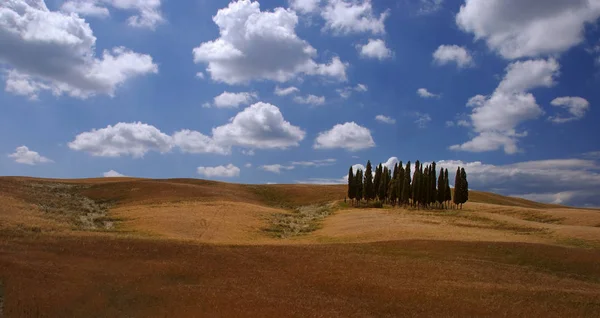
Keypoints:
(432, 184)
(369, 191)
(383, 185)
(464, 187)
(377, 180)
(406, 187)
(457, 186)
(351, 190)
(447, 190)
(441, 195)
(416, 185)
(400, 182)
(358, 184)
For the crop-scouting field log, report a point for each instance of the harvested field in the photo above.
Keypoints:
(193, 248)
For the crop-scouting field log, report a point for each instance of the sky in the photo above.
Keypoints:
(298, 91)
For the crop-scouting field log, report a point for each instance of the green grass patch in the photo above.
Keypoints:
(301, 221)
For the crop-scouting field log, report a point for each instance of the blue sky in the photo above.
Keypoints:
(297, 91)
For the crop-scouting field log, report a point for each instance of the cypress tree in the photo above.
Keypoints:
(358, 184)
(377, 180)
(464, 187)
(368, 191)
(406, 190)
(441, 196)
(447, 190)
(400, 181)
(415, 184)
(392, 189)
(457, 187)
(351, 190)
(432, 185)
(382, 191)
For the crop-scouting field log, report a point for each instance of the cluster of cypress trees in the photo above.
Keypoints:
(396, 186)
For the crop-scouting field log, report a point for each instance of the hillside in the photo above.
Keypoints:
(188, 247)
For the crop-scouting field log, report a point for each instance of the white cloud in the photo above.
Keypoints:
(53, 51)
(576, 106)
(260, 45)
(517, 29)
(423, 92)
(190, 141)
(390, 163)
(285, 91)
(276, 168)
(495, 118)
(248, 165)
(305, 6)
(310, 99)
(422, 119)
(148, 11)
(385, 119)
(112, 174)
(563, 181)
(259, 126)
(349, 136)
(430, 6)
(200, 75)
(234, 100)
(228, 171)
(354, 16)
(375, 48)
(314, 163)
(346, 92)
(85, 8)
(123, 139)
(525, 75)
(449, 123)
(249, 152)
(361, 88)
(453, 53)
(29, 157)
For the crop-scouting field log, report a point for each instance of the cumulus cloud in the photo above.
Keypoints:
(349, 136)
(259, 126)
(260, 45)
(228, 171)
(123, 139)
(517, 29)
(423, 92)
(190, 141)
(29, 157)
(375, 48)
(561, 181)
(305, 6)
(495, 118)
(148, 11)
(446, 54)
(54, 51)
(310, 100)
(200, 75)
(234, 100)
(112, 174)
(577, 107)
(385, 119)
(276, 168)
(356, 16)
(285, 91)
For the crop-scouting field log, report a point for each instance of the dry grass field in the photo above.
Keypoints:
(125, 247)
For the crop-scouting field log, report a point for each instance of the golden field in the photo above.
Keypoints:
(126, 247)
